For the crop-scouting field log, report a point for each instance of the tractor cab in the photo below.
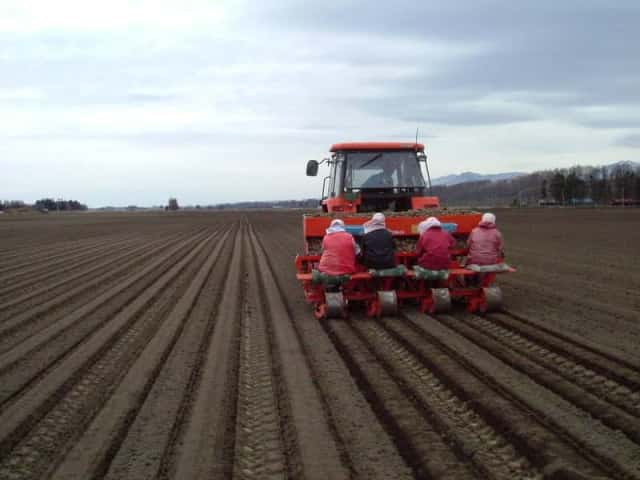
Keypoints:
(374, 176)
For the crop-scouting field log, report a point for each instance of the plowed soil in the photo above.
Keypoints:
(179, 345)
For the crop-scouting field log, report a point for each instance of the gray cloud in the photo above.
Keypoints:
(630, 140)
(282, 81)
(564, 54)
(609, 121)
(419, 109)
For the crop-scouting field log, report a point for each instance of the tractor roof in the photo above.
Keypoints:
(358, 146)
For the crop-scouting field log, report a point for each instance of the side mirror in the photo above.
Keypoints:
(312, 168)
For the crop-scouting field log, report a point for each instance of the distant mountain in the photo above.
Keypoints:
(465, 177)
(622, 163)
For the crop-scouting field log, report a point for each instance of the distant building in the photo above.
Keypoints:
(173, 204)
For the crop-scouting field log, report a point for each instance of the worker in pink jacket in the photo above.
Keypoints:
(485, 242)
(339, 250)
(433, 245)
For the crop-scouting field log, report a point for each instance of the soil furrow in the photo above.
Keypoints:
(141, 452)
(525, 357)
(369, 452)
(473, 438)
(259, 448)
(611, 448)
(30, 253)
(318, 451)
(564, 296)
(598, 358)
(618, 338)
(100, 443)
(44, 311)
(202, 437)
(549, 453)
(575, 370)
(575, 264)
(22, 252)
(37, 266)
(55, 335)
(111, 339)
(42, 289)
(418, 442)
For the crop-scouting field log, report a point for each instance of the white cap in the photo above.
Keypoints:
(488, 218)
(336, 225)
(378, 218)
(377, 222)
(427, 224)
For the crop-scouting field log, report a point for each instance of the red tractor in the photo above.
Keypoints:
(371, 177)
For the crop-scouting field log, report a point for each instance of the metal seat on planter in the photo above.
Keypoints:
(398, 271)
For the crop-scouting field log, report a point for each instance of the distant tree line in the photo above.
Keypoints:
(48, 204)
(601, 185)
(62, 205)
(306, 203)
(574, 186)
(11, 204)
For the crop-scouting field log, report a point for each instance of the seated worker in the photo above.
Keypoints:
(485, 242)
(378, 247)
(339, 250)
(433, 245)
(384, 179)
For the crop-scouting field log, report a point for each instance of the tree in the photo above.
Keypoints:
(60, 204)
(623, 181)
(574, 186)
(557, 186)
(46, 204)
(8, 204)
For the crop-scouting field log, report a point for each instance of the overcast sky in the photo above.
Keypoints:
(130, 102)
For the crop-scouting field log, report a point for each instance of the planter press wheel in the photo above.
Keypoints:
(388, 301)
(492, 297)
(335, 305)
(441, 300)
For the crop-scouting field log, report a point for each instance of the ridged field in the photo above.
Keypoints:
(179, 345)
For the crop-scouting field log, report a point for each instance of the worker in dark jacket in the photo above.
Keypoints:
(378, 247)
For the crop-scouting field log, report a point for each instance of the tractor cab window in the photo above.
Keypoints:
(335, 180)
(383, 170)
